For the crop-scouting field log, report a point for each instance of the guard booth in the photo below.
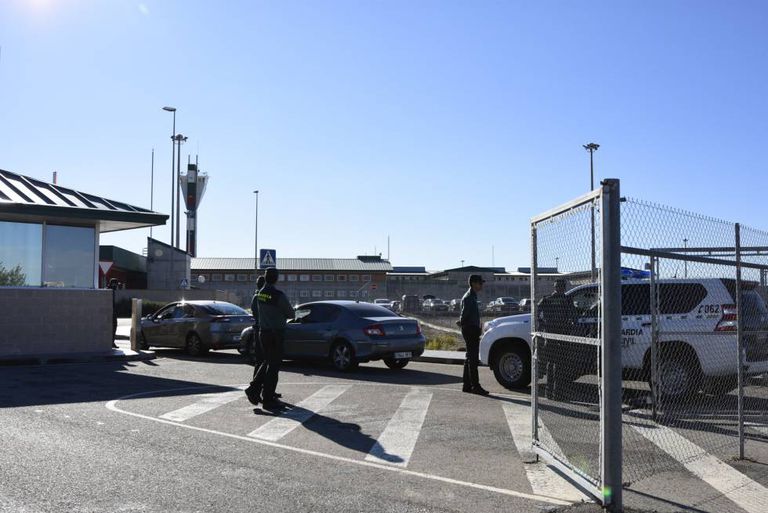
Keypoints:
(49, 266)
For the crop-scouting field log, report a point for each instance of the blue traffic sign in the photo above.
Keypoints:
(267, 258)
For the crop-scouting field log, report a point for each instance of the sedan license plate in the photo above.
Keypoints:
(404, 355)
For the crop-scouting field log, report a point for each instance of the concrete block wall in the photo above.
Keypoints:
(43, 321)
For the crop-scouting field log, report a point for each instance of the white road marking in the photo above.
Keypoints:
(112, 406)
(544, 480)
(206, 403)
(761, 429)
(397, 441)
(740, 489)
(277, 428)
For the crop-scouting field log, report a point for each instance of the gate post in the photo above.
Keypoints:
(534, 341)
(739, 341)
(611, 367)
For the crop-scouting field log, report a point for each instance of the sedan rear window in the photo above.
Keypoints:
(368, 310)
(225, 309)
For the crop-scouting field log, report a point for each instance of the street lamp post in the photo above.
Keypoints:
(592, 148)
(173, 163)
(256, 237)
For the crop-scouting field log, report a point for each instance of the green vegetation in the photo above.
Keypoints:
(14, 277)
(443, 342)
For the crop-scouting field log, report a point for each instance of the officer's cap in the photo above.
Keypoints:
(271, 275)
(475, 278)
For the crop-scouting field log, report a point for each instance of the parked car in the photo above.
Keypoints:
(455, 305)
(525, 305)
(196, 326)
(505, 305)
(386, 303)
(434, 306)
(697, 346)
(489, 306)
(411, 303)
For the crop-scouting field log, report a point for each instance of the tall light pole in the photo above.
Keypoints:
(173, 163)
(592, 148)
(152, 188)
(179, 140)
(256, 237)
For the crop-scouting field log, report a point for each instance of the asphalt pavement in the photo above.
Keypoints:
(177, 434)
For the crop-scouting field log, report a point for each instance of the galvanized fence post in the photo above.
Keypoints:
(739, 341)
(654, 337)
(611, 391)
(534, 341)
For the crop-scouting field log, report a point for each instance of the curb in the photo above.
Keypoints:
(114, 356)
(439, 359)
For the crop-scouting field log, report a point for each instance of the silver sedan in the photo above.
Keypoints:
(196, 326)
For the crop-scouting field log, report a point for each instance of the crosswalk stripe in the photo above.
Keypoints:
(740, 489)
(280, 426)
(760, 429)
(397, 441)
(543, 480)
(206, 403)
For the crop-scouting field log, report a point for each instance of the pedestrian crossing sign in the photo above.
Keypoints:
(267, 258)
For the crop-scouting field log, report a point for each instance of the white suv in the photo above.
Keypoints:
(697, 325)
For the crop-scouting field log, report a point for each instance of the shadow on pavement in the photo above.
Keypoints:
(365, 373)
(87, 382)
(345, 434)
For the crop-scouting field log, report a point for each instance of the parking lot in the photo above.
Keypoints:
(177, 433)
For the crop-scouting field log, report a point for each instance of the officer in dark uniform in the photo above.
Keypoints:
(471, 331)
(274, 310)
(557, 314)
(254, 351)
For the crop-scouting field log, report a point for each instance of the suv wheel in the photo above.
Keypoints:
(678, 377)
(512, 367)
(343, 357)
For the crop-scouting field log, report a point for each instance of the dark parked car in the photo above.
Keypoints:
(196, 326)
(411, 303)
(348, 333)
(505, 306)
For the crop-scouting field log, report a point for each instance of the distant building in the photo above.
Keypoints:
(452, 283)
(302, 279)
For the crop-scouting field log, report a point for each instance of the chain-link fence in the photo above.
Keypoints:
(693, 342)
(695, 337)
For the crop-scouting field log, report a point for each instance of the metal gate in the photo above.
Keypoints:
(650, 342)
(576, 359)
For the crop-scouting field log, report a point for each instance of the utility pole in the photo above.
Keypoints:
(256, 237)
(592, 148)
(152, 188)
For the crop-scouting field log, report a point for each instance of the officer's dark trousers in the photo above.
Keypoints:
(257, 351)
(471, 336)
(267, 374)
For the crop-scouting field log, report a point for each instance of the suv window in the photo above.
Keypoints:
(636, 299)
(585, 299)
(680, 298)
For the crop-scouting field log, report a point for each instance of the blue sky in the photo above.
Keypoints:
(445, 125)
